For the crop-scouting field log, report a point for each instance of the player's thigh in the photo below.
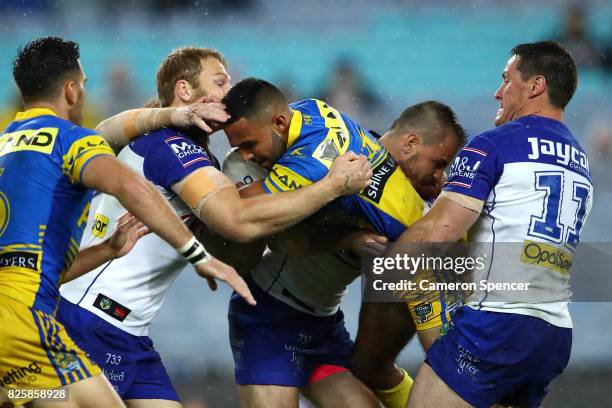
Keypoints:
(265, 396)
(384, 330)
(340, 390)
(152, 403)
(429, 391)
(93, 392)
(37, 352)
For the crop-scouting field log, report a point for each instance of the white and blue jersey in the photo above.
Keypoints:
(117, 301)
(534, 179)
(140, 280)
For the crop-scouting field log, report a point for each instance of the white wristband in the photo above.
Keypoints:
(194, 252)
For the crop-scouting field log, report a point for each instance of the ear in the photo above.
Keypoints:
(71, 92)
(183, 91)
(538, 86)
(410, 143)
(281, 122)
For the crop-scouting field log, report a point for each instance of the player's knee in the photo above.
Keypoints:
(93, 392)
(372, 370)
(263, 396)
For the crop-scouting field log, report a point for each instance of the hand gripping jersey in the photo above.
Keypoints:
(127, 292)
(534, 178)
(317, 135)
(311, 284)
(43, 205)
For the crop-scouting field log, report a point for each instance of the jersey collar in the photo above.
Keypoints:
(295, 128)
(34, 112)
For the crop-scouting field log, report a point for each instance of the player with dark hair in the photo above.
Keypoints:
(120, 298)
(48, 168)
(515, 183)
(296, 143)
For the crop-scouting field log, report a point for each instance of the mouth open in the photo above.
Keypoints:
(500, 108)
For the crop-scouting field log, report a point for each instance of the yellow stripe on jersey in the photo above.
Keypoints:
(372, 147)
(38, 140)
(295, 128)
(34, 112)
(399, 199)
(19, 247)
(80, 152)
(83, 218)
(282, 178)
(5, 212)
(333, 118)
(336, 141)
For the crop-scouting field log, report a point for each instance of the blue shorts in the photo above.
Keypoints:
(489, 357)
(275, 344)
(130, 362)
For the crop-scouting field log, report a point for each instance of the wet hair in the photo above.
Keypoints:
(431, 120)
(554, 63)
(251, 97)
(42, 65)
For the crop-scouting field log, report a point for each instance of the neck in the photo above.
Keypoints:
(547, 111)
(176, 103)
(60, 110)
(386, 141)
(285, 134)
(394, 147)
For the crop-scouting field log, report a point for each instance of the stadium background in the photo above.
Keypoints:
(370, 59)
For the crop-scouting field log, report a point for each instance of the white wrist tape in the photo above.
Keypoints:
(194, 252)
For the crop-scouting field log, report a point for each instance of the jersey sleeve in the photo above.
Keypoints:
(172, 160)
(293, 172)
(476, 169)
(85, 144)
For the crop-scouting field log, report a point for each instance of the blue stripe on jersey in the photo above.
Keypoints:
(45, 346)
(94, 281)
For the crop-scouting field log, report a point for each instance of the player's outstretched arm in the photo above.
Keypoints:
(106, 174)
(119, 129)
(129, 231)
(245, 220)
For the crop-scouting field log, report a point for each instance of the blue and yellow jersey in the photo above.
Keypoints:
(318, 134)
(43, 205)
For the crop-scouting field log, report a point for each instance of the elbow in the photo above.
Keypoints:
(240, 233)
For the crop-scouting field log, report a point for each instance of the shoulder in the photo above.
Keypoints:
(169, 156)
(306, 106)
(151, 140)
(71, 131)
(507, 133)
(78, 139)
(166, 142)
